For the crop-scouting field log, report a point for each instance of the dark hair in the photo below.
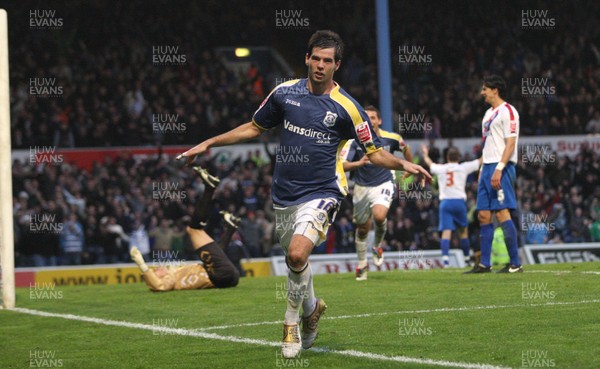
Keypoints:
(453, 155)
(495, 81)
(373, 108)
(325, 39)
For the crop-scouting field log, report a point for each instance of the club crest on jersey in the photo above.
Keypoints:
(329, 119)
(364, 133)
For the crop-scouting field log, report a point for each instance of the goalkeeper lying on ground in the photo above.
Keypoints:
(217, 270)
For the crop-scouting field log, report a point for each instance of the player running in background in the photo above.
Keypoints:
(496, 193)
(317, 117)
(374, 190)
(452, 179)
(217, 270)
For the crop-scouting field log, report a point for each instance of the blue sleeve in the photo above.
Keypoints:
(269, 114)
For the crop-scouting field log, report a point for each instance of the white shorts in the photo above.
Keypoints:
(365, 198)
(310, 219)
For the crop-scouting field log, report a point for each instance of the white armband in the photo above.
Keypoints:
(500, 166)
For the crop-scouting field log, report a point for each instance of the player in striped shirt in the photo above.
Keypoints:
(452, 179)
(496, 192)
(316, 117)
(374, 190)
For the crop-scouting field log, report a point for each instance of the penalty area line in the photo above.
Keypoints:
(253, 341)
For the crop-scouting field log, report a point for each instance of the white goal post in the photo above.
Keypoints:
(7, 257)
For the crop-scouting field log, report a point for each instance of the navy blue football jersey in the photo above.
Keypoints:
(314, 130)
(369, 174)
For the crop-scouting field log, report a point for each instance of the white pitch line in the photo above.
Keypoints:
(213, 336)
(439, 310)
(563, 271)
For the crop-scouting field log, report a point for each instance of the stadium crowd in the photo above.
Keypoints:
(64, 214)
(112, 91)
(111, 85)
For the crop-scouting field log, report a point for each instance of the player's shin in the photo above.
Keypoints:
(380, 229)
(308, 305)
(361, 249)
(298, 281)
(510, 238)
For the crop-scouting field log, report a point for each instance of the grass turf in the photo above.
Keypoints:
(534, 319)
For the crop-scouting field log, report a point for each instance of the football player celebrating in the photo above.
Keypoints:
(317, 117)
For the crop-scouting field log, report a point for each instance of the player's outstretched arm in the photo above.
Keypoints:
(408, 154)
(242, 133)
(386, 160)
(426, 158)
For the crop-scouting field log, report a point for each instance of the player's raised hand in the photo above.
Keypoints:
(424, 150)
(421, 175)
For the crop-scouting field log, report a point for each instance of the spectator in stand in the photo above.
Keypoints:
(578, 227)
(140, 239)
(251, 234)
(72, 241)
(163, 238)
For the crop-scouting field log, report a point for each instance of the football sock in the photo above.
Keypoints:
(379, 232)
(361, 250)
(445, 247)
(202, 208)
(486, 235)
(309, 303)
(296, 290)
(510, 238)
(465, 246)
(226, 236)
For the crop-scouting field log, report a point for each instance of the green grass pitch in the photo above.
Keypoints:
(547, 317)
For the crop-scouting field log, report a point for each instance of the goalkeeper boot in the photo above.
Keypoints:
(230, 219)
(137, 257)
(291, 345)
(378, 256)
(209, 180)
(310, 324)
